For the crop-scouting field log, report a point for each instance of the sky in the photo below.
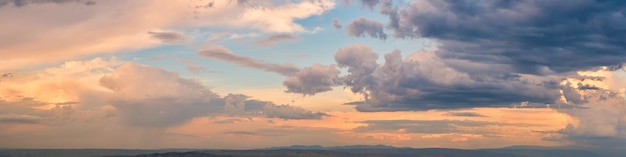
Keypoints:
(242, 74)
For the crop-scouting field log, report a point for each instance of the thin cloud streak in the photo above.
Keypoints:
(223, 54)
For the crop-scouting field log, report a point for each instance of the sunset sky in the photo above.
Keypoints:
(242, 74)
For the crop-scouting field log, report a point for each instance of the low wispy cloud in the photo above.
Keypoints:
(168, 37)
(221, 53)
(435, 126)
(273, 39)
(20, 119)
(464, 114)
(195, 67)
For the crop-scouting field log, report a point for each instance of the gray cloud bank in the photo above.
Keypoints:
(425, 81)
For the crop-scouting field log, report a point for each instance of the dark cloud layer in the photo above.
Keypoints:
(534, 37)
(221, 53)
(273, 39)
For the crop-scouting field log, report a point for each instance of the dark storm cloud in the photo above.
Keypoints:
(221, 53)
(21, 3)
(534, 37)
(364, 26)
(273, 39)
(168, 37)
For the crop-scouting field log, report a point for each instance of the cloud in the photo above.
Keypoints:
(273, 39)
(362, 26)
(283, 13)
(361, 63)
(238, 104)
(599, 112)
(195, 67)
(600, 120)
(464, 114)
(221, 53)
(228, 121)
(290, 112)
(432, 126)
(387, 8)
(337, 23)
(248, 133)
(312, 80)
(19, 119)
(8, 75)
(370, 3)
(148, 96)
(529, 36)
(151, 97)
(21, 3)
(168, 37)
(424, 81)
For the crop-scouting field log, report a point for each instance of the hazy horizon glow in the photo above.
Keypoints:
(254, 74)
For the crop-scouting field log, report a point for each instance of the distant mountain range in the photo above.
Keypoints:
(320, 151)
